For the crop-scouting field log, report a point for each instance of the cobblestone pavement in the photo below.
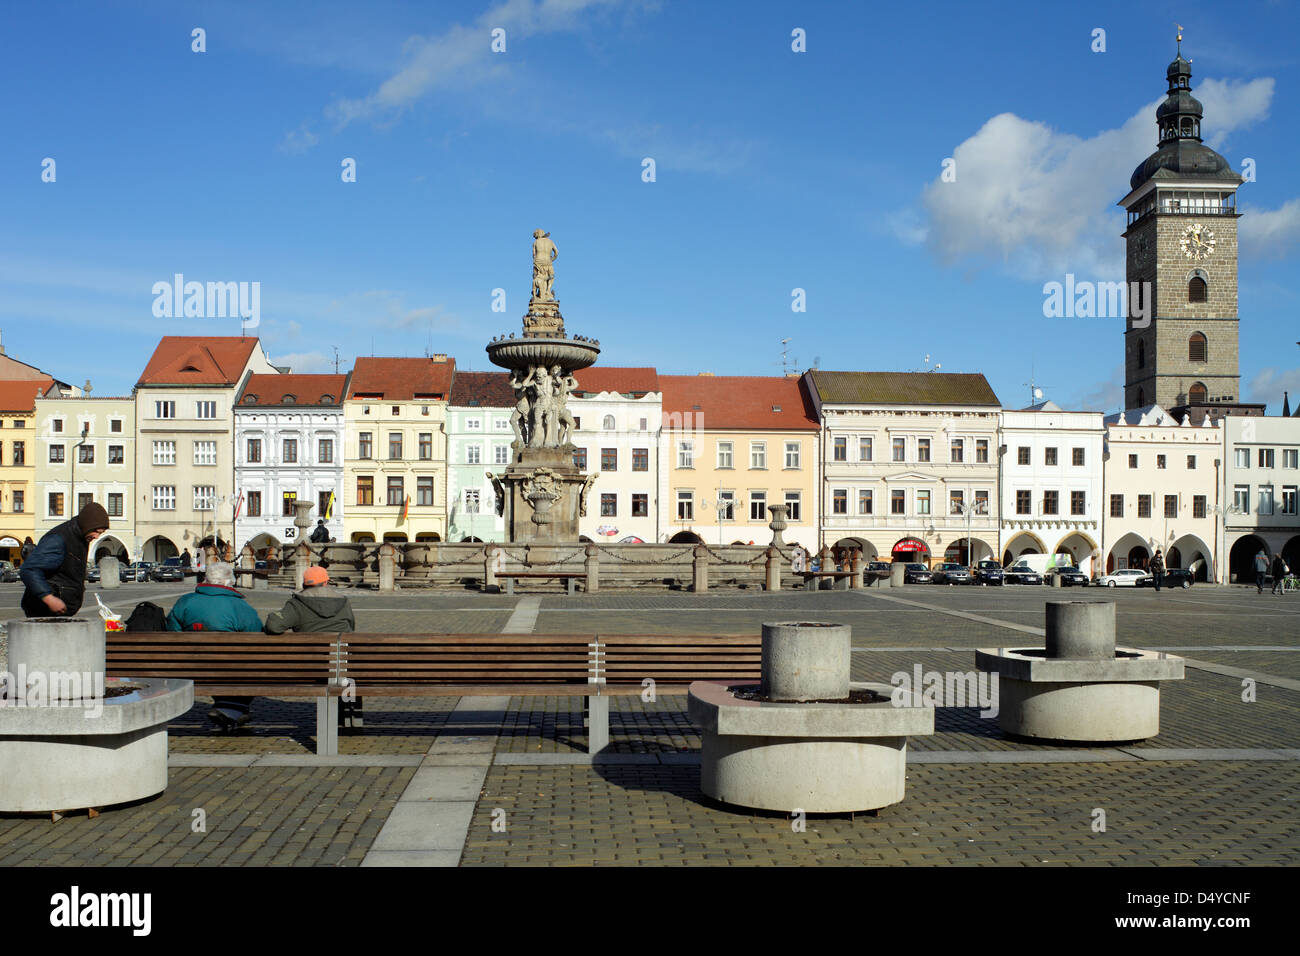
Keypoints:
(326, 816)
(1205, 811)
(1010, 815)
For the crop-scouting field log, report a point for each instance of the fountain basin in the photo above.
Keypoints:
(815, 757)
(570, 354)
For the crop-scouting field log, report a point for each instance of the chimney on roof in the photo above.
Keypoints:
(439, 356)
(706, 374)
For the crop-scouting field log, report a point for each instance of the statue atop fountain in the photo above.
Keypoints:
(542, 364)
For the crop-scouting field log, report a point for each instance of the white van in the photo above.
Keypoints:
(1039, 563)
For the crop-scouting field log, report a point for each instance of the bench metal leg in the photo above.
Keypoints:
(597, 724)
(572, 584)
(327, 726)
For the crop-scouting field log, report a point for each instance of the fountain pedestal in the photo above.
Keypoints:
(802, 745)
(78, 747)
(1080, 687)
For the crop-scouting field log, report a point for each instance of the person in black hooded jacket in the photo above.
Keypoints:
(54, 574)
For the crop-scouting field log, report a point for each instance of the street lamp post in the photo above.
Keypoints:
(973, 508)
(1221, 512)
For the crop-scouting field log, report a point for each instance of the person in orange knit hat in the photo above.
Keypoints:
(319, 606)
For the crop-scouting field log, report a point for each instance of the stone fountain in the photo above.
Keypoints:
(542, 491)
(805, 737)
(1080, 687)
(70, 739)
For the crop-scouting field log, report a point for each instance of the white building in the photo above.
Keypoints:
(618, 412)
(1161, 486)
(1051, 484)
(288, 447)
(1260, 485)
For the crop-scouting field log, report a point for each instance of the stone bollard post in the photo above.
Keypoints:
(489, 567)
(700, 581)
(593, 569)
(109, 572)
(897, 570)
(858, 567)
(387, 567)
(773, 578)
(826, 563)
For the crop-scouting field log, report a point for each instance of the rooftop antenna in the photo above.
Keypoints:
(336, 360)
(817, 361)
(931, 368)
(1035, 390)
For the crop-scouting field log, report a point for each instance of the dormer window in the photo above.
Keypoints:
(250, 399)
(288, 400)
(776, 408)
(327, 399)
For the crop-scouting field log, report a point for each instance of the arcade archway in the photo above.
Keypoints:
(1241, 559)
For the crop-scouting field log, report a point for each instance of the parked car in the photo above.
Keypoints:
(989, 572)
(917, 573)
(8, 573)
(1021, 573)
(952, 573)
(1069, 577)
(876, 571)
(1124, 578)
(92, 573)
(169, 570)
(137, 572)
(1174, 578)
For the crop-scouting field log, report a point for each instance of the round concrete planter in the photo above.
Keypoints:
(1093, 713)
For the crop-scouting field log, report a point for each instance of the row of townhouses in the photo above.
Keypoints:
(216, 445)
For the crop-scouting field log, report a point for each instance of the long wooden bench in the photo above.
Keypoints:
(328, 667)
(570, 578)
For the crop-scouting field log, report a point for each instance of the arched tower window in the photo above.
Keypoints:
(1142, 397)
(1196, 393)
(1196, 348)
(1197, 290)
(1142, 355)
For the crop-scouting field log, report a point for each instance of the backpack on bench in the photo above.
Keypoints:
(147, 616)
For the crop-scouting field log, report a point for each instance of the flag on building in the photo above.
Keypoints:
(406, 506)
(329, 507)
(239, 505)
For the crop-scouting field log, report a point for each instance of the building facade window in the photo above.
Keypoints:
(757, 505)
(923, 449)
(55, 504)
(1117, 506)
(1051, 502)
(608, 505)
(1171, 506)
(725, 454)
(865, 503)
(365, 445)
(726, 506)
(864, 449)
(792, 456)
(1022, 455)
(424, 491)
(56, 454)
(640, 506)
(794, 505)
(394, 446)
(1198, 506)
(164, 453)
(396, 490)
(1242, 457)
(897, 502)
(164, 409)
(365, 490)
(1132, 461)
(20, 453)
(685, 454)
(1265, 500)
(19, 501)
(254, 504)
(85, 454)
(1024, 502)
(1144, 506)
(640, 459)
(957, 451)
(1241, 498)
(923, 502)
(840, 449)
(205, 410)
(289, 454)
(84, 498)
(501, 454)
(287, 500)
(253, 451)
(685, 506)
(1049, 456)
(1191, 462)
(1160, 462)
(580, 459)
(471, 501)
(205, 497)
(840, 501)
(758, 454)
(323, 509)
(981, 451)
(164, 497)
(1076, 457)
(325, 451)
(1289, 500)
(116, 454)
(956, 499)
(114, 504)
(473, 454)
(426, 446)
(1078, 503)
(1290, 457)
(898, 449)
(1266, 458)
(609, 459)
(981, 502)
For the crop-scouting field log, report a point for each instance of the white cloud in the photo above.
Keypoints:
(461, 55)
(298, 140)
(1038, 202)
(1268, 384)
(1107, 396)
(1269, 232)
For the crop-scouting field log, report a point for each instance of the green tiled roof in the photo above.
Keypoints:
(902, 388)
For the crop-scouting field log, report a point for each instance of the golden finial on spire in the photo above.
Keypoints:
(1180, 38)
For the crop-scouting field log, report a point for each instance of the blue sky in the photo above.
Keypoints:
(775, 170)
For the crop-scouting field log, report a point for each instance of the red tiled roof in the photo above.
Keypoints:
(483, 389)
(21, 396)
(401, 379)
(198, 360)
(305, 389)
(736, 401)
(625, 381)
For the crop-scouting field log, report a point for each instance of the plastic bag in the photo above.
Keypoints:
(112, 622)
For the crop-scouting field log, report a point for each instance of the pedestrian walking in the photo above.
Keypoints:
(1279, 574)
(322, 534)
(1157, 569)
(54, 574)
(1261, 570)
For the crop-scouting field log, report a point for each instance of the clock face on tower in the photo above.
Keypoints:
(1197, 241)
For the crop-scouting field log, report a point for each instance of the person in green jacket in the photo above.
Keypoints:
(215, 605)
(319, 607)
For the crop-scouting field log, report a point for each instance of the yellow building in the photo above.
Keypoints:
(730, 447)
(18, 463)
(395, 463)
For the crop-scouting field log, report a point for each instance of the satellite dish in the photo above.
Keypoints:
(1038, 393)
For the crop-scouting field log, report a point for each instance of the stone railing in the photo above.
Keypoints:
(390, 566)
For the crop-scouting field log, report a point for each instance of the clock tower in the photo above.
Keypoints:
(1180, 352)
